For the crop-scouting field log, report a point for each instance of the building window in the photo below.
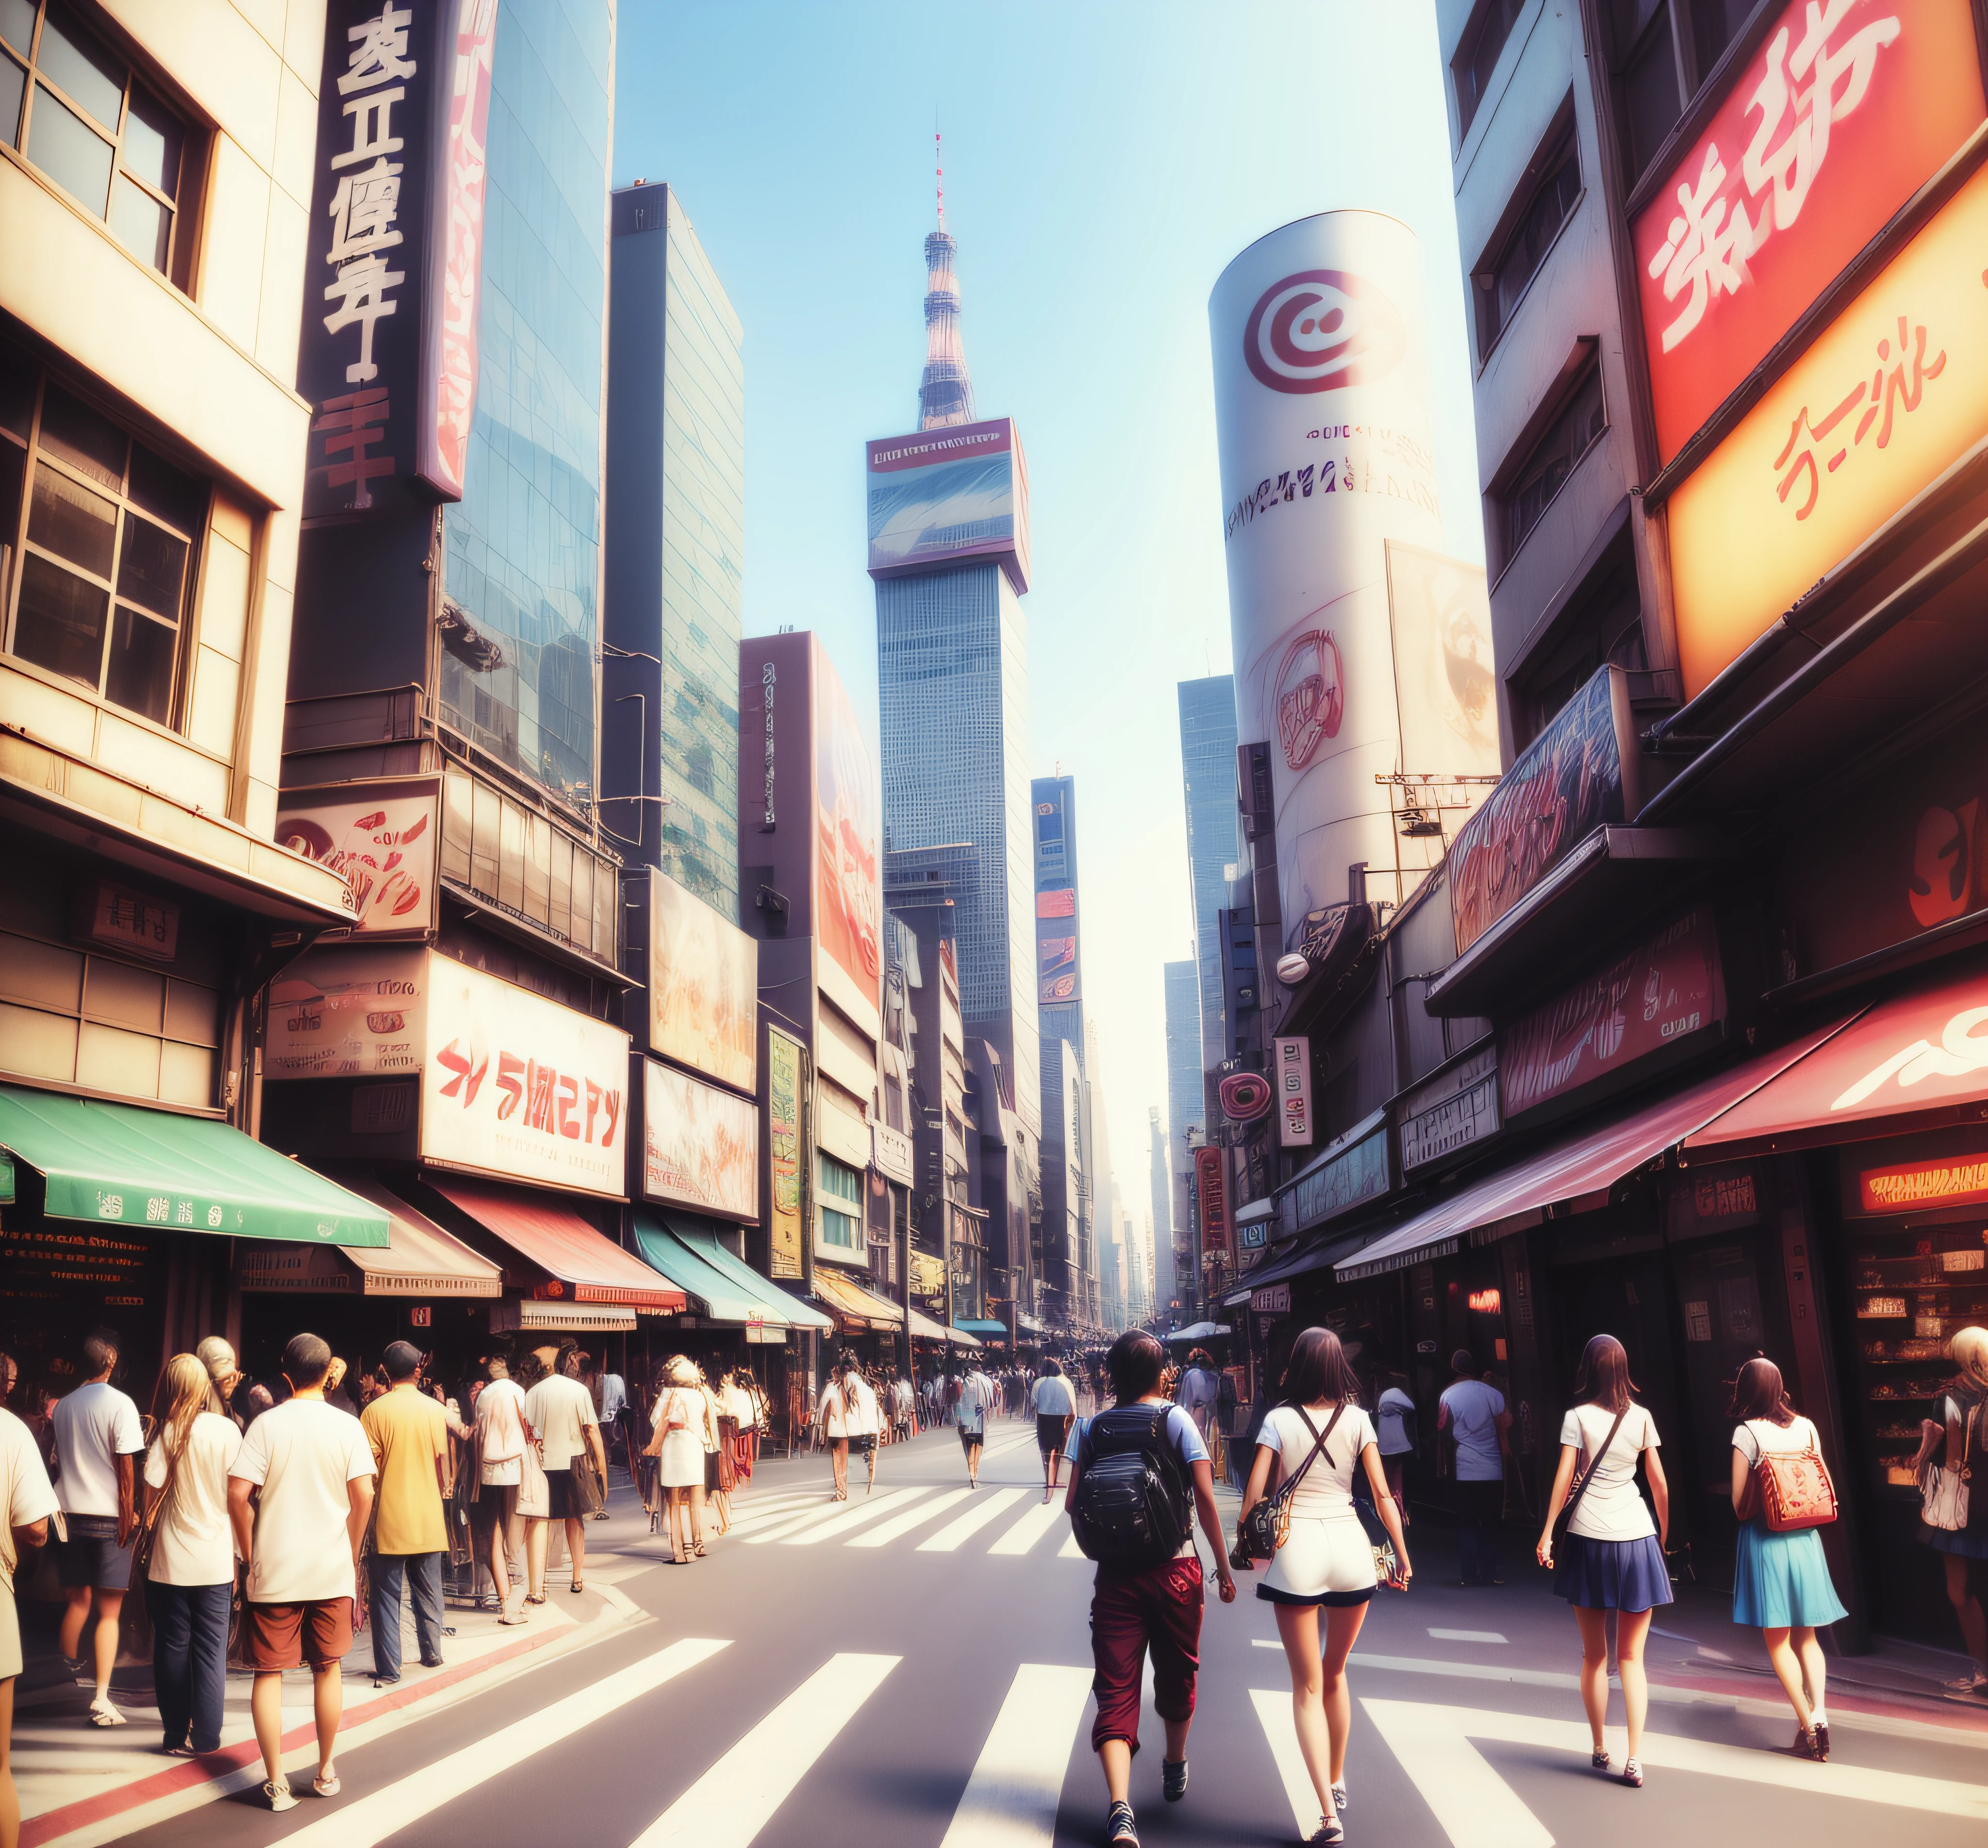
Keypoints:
(1604, 629)
(74, 108)
(1477, 54)
(839, 1195)
(1660, 53)
(1551, 460)
(1555, 182)
(97, 539)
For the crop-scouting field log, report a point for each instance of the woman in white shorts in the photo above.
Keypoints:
(1327, 1562)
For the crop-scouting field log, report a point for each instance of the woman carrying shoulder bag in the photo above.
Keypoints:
(1611, 1556)
(677, 1447)
(1318, 1437)
(1781, 1580)
(1954, 1474)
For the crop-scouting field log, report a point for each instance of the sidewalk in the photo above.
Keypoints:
(80, 1784)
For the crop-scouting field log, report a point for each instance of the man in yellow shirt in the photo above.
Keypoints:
(409, 1434)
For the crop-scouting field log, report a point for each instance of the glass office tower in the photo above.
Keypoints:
(1214, 841)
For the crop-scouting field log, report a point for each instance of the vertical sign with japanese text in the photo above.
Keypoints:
(784, 1151)
(1212, 1199)
(1292, 1082)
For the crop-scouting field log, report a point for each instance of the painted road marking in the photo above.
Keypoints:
(384, 1812)
(900, 1524)
(1273, 1712)
(1031, 1529)
(826, 1510)
(1011, 1798)
(1071, 1550)
(950, 1538)
(736, 1798)
(853, 1514)
(1468, 1636)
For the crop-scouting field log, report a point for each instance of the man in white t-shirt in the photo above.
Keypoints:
(1473, 1416)
(301, 1543)
(561, 1410)
(1394, 1427)
(1056, 1412)
(97, 1438)
(27, 1499)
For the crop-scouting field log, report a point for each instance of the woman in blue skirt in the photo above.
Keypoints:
(1612, 1558)
(1780, 1582)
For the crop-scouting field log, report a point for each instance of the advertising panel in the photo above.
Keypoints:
(342, 1012)
(1293, 1081)
(1576, 776)
(1452, 1110)
(1664, 990)
(1322, 410)
(704, 987)
(519, 1087)
(891, 1153)
(1446, 687)
(784, 1154)
(700, 1146)
(1840, 116)
(849, 899)
(1212, 1198)
(380, 839)
(943, 495)
(1360, 1171)
(1056, 968)
(1889, 397)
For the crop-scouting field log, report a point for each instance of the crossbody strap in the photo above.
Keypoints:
(1587, 1474)
(1290, 1486)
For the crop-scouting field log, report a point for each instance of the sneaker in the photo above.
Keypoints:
(1173, 1779)
(280, 1797)
(1120, 1830)
(1328, 1831)
(1339, 1799)
(1632, 1773)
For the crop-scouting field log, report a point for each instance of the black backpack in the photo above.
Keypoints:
(1132, 1500)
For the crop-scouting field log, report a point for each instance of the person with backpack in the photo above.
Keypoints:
(1321, 1439)
(1139, 1475)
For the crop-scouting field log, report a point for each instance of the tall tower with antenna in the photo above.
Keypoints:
(945, 393)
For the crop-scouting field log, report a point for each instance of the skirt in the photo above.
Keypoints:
(680, 1461)
(1968, 1543)
(1612, 1575)
(1325, 1559)
(1781, 1581)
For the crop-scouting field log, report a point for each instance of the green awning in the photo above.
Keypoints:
(725, 1289)
(120, 1164)
(777, 1302)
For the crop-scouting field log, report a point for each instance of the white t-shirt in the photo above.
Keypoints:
(500, 1422)
(613, 1396)
(195, 1545)
(1327, 1489)
(1759, 1434)
(1475, 1410)
(738, 1405)
(26, 1495)
(1611, 1509)
(301, 1454)
(1394, 1407)
(560, 1410)
(95, 1425)
(1054, 1399)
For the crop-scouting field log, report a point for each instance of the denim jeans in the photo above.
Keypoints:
(423, 1572)
(190, 1660)
(1481, 1504)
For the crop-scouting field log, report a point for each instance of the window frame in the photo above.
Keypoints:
(1464, 57)
(1560, 144)
(1695, 73)
(1583, 365)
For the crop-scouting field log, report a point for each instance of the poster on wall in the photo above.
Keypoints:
(784, 1221)
(380, 838)
(701, 1145)
(704, 987)
(1446, 687)
(344, 1011)
(957, 493)
(849, 907)
(517, 1086)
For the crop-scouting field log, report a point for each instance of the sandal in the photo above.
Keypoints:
(102, 1714)
(515, 1617)
(534, 1598)
(1632, 1773)
(325, 1786)
(281, 1797)
(1806, 1745)
(1600, 1761)
(1329, 1831)
(576, 1586)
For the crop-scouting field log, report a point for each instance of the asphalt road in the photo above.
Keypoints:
(884, 1675)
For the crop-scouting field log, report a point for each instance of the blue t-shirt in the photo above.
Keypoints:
(1181, 1430)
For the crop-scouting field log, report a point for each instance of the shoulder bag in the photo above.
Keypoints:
(1788, 1491)
(1267, 1526)
(1582, 1477)
(1943, 1486)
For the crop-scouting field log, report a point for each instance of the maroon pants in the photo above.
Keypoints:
(1157, 1607)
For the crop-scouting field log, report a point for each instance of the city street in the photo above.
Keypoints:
(914, 1669)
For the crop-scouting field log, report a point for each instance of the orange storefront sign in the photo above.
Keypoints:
(1892, 393)
(1845, 110)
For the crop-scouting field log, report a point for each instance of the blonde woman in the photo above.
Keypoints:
(677, 1447)
(190, 1579)
(1957, 1438)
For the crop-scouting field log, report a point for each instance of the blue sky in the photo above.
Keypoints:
(1104, 159)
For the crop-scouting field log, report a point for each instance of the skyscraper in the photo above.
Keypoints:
(1186, 1118)
(1159, 1221)
(1059, 977)
(675, 552)
(1208, 782)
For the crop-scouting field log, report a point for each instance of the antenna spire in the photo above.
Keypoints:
(939, 164)
(945, 393)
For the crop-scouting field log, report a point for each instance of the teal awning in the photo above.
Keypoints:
(723, 1288)
(775, 1302)
(121, 1165)
(974, 1326)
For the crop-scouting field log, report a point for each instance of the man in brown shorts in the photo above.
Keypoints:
(300, 1544)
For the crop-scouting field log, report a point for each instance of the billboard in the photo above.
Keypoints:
(1323, 416)
(1839, 116)
(950, 495)
(348, 1012)
(1058, 974)
(380, 838)
(849, 899)
(704, 987)
(701, 1145)
(784, 1218)
(1445, 684)
(1212, 1199)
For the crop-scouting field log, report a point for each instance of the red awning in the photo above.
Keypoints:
(562, 1244)
(1591, 1161)
(1917, 1062)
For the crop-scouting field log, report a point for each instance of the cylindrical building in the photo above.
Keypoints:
(1322, 407)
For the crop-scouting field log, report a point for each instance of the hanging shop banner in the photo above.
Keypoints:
(380, 838)
(1846, 110)
(1213, 1198)
(518, 1086)
(1359, 1171)
(890, 1153)
(1664, 990)
(784, 1218)
(704, 987)
(701, 1145)
(347, 1011)
(1890, 397)
(1452, 1111)
(1292, 1078)
(1578, 775)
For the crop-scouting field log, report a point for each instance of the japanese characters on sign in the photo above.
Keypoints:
(1293, 1087)
(1451, 1110)
(1891, 394)
(120, 917)
(1849, 107)
(338, 1012)
(1211, 1196)
(783, 1125)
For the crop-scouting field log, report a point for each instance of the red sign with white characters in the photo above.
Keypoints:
(1846, 110)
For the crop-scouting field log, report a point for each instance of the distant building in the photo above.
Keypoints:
(1208, 788)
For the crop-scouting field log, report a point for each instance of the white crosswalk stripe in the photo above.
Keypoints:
(1069, 1549)
(950, 1538)
(1027, 1530)
(736, 1798)
(900, 1525)
(826, 1509)
(1011, 1798)
(852, 1513)
(1274, 1712)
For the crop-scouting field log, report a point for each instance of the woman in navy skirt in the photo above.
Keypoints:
(1780, 1582)
(1613, 1556)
